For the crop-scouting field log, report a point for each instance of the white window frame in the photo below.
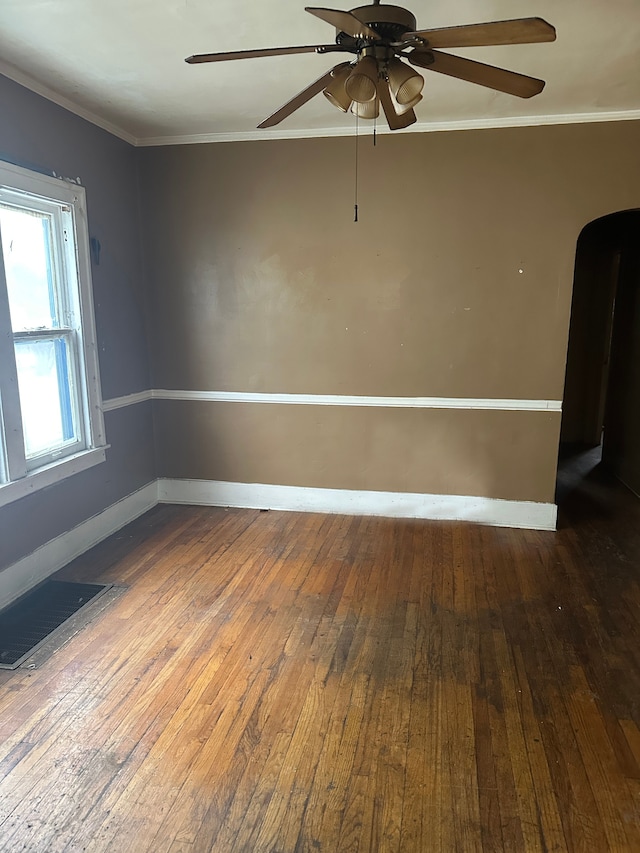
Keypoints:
(67, 203)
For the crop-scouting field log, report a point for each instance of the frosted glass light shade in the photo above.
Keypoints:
(401, 109)
(361, 84)
(370, 109)
(336, 93)
(404, 82)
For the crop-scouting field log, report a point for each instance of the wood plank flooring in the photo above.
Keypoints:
(281, 682)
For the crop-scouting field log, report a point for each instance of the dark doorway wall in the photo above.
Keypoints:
(602, 386)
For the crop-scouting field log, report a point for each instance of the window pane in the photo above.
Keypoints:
(45, 394)
(29, 268)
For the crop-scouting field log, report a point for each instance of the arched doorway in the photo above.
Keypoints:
(601, 405)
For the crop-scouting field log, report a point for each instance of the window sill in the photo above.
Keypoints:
(50, 474)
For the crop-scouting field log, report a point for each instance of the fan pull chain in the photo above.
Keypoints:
(355, 206)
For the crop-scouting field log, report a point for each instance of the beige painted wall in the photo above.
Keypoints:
(259, 280)
(364, 448)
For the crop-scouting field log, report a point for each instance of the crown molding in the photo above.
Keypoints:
(306, 133)
(419, 127)
(71, 106)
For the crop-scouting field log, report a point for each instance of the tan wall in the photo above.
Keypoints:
(259, 280)
(393, 449)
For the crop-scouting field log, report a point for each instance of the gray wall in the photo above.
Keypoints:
(37, 134)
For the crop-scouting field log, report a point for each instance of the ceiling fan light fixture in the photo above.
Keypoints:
(387, 43)
(405, 83)
(361, 84)
(369, 109)
(336, 93)
(401, 109)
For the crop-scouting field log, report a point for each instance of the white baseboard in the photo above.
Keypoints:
(34, 568)
(31, 570)
(492, 511)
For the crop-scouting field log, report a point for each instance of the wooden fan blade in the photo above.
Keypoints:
(301, 98)
(254, 54)
(344, 22)
(395, 121)
(519, 31)
(477, 72)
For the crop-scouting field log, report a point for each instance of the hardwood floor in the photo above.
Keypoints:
(281, 682)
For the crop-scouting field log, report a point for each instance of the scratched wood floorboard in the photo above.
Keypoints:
(295, 683)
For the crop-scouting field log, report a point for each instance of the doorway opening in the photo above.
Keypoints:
(600, 432)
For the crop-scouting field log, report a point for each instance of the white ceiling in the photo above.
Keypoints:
(120, 63)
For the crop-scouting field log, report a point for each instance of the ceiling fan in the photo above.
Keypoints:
(381, 37)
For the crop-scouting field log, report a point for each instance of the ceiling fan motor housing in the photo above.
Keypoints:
(390, 22)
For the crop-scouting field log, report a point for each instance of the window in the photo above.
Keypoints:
(50, 416)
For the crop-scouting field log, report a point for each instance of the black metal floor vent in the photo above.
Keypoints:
(32, 620)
